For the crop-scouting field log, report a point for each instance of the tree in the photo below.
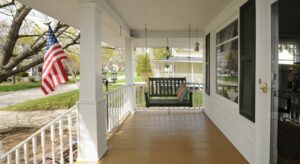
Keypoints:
(143, 66)
(21, 45)
(161, 53)
(73, 64)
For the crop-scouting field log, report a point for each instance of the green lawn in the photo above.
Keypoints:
(136, 79)
(6, 87)
(59, 101)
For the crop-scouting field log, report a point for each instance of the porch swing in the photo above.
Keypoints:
(167, 92)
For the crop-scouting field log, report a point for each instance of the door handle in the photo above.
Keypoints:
(264, 87)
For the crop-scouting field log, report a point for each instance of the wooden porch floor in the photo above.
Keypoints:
(170, 138)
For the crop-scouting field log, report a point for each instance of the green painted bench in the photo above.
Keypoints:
(162, 92)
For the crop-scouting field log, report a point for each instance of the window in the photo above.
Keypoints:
(227, 51)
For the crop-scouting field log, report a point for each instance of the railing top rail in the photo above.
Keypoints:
(38, 132)
(117, 89)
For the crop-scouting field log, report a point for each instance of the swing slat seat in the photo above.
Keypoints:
(162, 92)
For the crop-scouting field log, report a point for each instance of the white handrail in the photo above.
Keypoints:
(33, 139)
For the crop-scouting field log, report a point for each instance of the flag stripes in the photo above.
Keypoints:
(53, 71)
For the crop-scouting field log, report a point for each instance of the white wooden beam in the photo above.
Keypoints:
(169, 34)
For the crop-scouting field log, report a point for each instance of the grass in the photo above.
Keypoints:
(228, 79)
(59, 101)
(9, 87)
(6, 87)
(136, 79)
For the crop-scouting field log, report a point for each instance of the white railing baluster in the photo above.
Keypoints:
(26, 153)
(118, 106)
(17, 156)
(9, 159)
(43, 147)
(52, 138)
(70, 138)
(61, 141)
(14, 153)
(34, 150)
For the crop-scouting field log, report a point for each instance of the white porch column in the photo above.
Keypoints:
(91, 111)
(129, 71)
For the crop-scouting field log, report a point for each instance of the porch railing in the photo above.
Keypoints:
(118, 107)
(191, 78)
(141, 88)
(55, 142)
(45, 146)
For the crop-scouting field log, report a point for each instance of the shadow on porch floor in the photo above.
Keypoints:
(170, 138)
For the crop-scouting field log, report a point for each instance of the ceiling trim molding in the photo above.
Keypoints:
(169, 34)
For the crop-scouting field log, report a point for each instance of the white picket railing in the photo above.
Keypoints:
(191, 78)
(118, 107)
(37, 148)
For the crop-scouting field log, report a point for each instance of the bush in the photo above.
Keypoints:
(31, 79)
(22, 74)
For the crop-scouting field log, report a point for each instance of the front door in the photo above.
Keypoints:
(285, 135)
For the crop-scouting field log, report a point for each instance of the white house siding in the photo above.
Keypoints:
(223, 112)
(184, 68)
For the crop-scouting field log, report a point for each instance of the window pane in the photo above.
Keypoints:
(228, 32)
(227, 70)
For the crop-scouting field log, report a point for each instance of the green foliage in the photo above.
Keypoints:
(31, 79)
(22, 74)
(161, 53)
(143, 66)
(60, 101)
(18, 86)
(74, 64)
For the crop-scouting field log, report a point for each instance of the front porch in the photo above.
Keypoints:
(169, 137)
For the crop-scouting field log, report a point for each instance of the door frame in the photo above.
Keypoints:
(263, 74)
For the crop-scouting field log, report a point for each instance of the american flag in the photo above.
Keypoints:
(53, 70)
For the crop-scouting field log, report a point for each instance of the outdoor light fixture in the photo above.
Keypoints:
(105, 79)
(168, 50)
(114, 75)
(197, 45)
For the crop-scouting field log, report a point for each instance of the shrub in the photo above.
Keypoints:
(22, 74)
(31, 79)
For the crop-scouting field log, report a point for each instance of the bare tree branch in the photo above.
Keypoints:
(7, 4)
(29, 36)
(7, 49)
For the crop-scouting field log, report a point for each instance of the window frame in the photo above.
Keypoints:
(217, 45)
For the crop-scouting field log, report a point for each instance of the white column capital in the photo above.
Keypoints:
(91, 4)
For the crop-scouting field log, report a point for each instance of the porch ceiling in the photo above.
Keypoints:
(168, 15)
(164, 18)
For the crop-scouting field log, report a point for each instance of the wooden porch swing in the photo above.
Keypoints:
(164, 92)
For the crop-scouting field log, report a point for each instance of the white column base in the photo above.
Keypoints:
(131, 99)
(91, 131)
